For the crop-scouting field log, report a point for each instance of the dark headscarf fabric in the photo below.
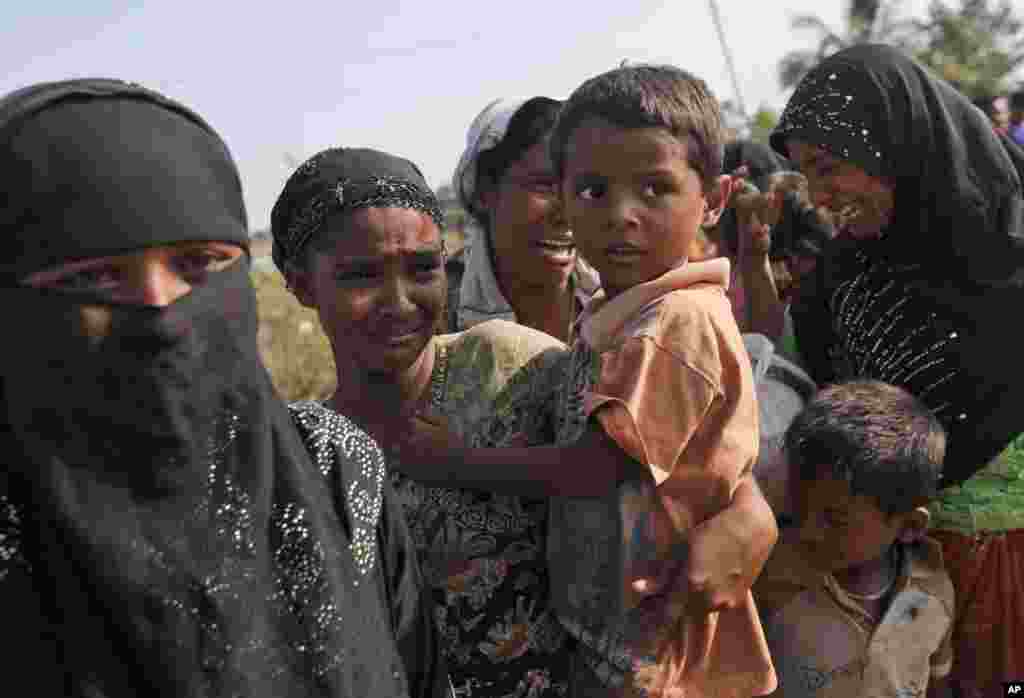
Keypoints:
(958, 192)
(926, 306)
(67, 197)
(760, 160)
(162, 528)
(338, 180)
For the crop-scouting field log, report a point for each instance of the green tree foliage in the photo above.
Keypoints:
(977, 47)
(864, 21)
(758, 128)
(762, 123)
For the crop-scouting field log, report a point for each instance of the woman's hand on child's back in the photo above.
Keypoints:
(426, 446)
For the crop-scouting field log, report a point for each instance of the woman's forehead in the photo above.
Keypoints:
(374, 231)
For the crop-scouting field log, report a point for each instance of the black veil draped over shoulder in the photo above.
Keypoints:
(162, 529)
(930, 305)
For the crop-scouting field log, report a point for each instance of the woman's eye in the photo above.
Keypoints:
(590, 192)
(201, 262)
(427, 267)
(352, 274)
(88, 279)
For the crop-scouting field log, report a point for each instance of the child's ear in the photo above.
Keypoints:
(914, 526)
(716, 199)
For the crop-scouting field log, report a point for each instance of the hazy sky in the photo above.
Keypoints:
(282, 80)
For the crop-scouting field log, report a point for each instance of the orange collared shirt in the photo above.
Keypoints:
(674, 389)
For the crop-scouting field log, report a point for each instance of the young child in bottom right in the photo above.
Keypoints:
(855, 599)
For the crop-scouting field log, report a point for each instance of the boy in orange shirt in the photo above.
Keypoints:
(657, 528)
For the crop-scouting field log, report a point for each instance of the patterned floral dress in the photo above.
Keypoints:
(483, 554)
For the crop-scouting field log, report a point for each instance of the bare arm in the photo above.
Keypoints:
(590, 467)
(766, 313)
(756, 213)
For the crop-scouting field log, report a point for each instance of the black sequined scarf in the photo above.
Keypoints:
(338, 180)
(958, 192)
(162, 529)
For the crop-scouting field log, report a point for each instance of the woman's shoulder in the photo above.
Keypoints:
(498, 364)
(322, 428)
(503, 337)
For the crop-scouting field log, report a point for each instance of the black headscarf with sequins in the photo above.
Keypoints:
(162, 528)
(338, 180)
(958, 192)
(759, 159)
(926, 306)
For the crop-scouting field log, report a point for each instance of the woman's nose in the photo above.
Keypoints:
(395, 297)
(157, 284)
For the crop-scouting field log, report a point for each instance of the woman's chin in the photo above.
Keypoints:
(394, 356)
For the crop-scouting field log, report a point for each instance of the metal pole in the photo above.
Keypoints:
(728, 59)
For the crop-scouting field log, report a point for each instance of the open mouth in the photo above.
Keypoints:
(556, 250)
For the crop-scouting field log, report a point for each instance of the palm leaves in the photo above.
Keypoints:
(975, 47)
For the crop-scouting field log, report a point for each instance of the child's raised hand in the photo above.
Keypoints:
(756, 213)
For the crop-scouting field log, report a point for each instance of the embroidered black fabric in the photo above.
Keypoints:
(926, 306)
(162, 529)
(337, 180)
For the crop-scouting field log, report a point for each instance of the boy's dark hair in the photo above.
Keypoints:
(529, 126)
(646, 96)
(879, 438)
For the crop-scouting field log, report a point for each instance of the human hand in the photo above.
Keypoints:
(728, 551)
(426, 446)
(722, 558)
(756, 212)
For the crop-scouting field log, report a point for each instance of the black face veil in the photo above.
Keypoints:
(162, 529)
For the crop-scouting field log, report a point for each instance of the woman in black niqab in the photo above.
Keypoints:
(162, 528)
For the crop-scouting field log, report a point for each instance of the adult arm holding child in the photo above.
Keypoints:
(726, 551)
(431, 453)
